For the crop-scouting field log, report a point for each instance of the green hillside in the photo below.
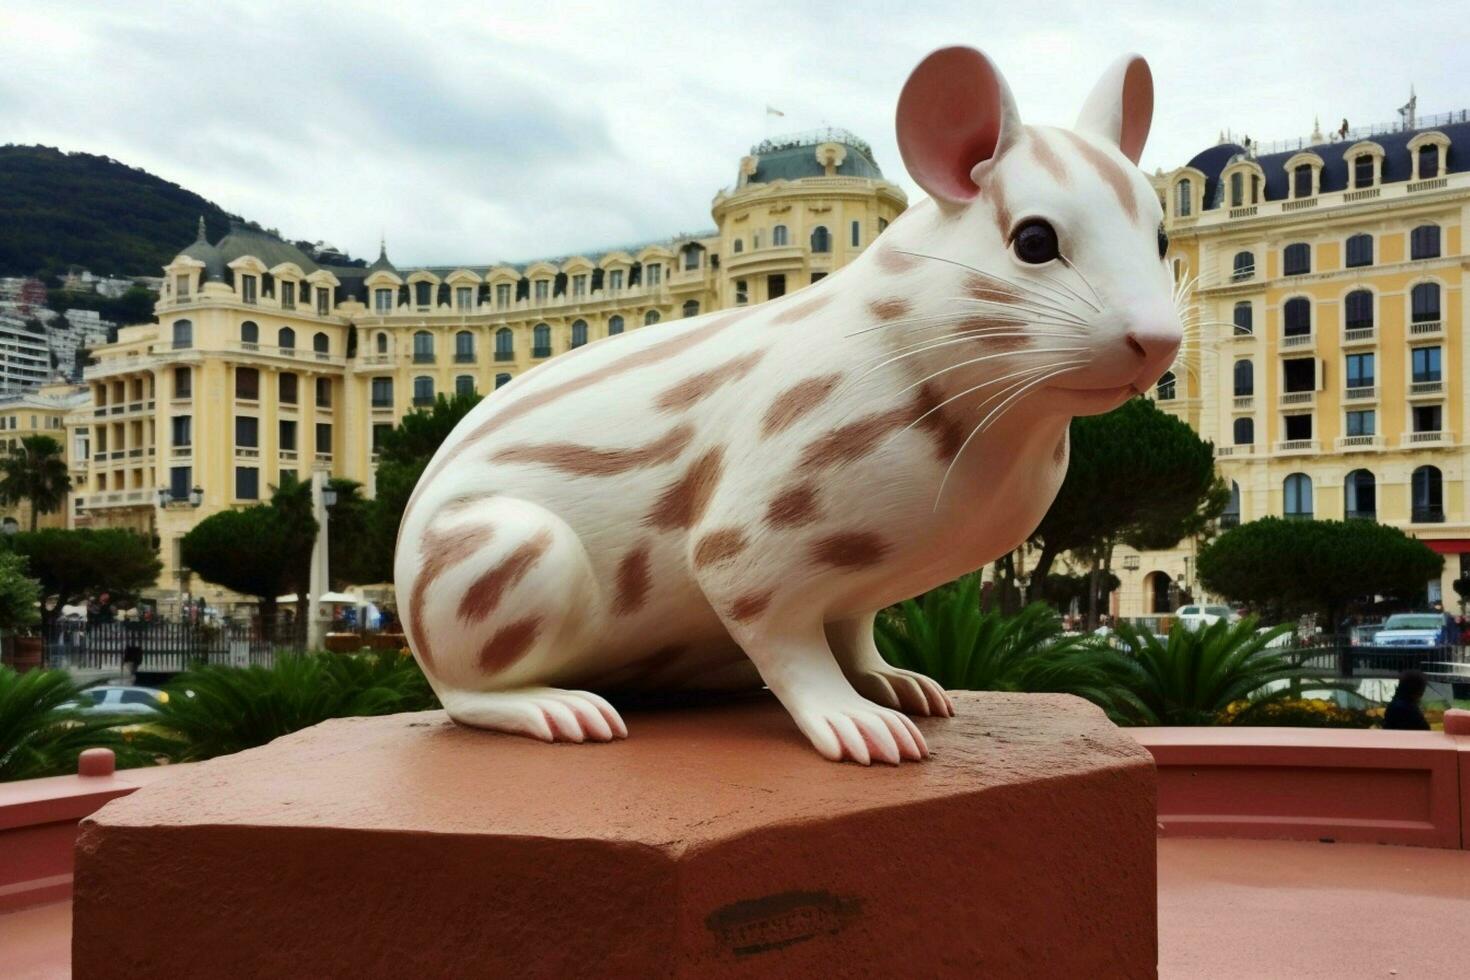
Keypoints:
(60, 209)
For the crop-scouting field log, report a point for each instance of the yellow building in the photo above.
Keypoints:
(264, 362)
(40, 411)
(1328, 361)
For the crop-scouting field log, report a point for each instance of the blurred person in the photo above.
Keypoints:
(1403, 712)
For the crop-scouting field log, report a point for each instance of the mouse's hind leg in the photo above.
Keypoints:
(501, 600)
(878, 680)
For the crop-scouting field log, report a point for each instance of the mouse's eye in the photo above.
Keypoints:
(1035, 242)
(1163, 240)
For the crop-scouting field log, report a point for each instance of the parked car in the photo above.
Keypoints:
(1196, 617)
(1421, 629)
(122, 699)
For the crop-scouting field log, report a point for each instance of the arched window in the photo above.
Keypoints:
(691, 308)
(1424, 242)
(1244, 318)
(1244, 431)
(650, 318)
(1230, 516)
(1359, 250)
(541, 341)
(250, 334)
(382, 343)
(1165, 389)
(423, 347)
(1358, 309)
(1360, 496)
(1183, 198)
(1244, 266)
(1237, 189)
(1296, 259)
(1245, 378)
(778, 236)
(286, 339)
(614, 325)
(464, 384)
(1301, 181)
(183, 333)
(464, 347)
(320, 344)
(423, 390)
(579, 333)
(505, 344)
(821, 239)
(502, 379)
(1298, 493)
(738, 246)
(1428, 490)
(1297, 315)
(1425, 301)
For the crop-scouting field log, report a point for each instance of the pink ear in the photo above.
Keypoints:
(1121, 106)
(955, 112)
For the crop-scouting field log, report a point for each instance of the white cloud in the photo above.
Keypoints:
(468, 133)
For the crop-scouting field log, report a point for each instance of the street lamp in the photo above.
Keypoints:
(164, 496)
(196, 496)
(329, 496)
(11, 526)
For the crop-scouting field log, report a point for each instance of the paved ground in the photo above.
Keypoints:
(1227, 909)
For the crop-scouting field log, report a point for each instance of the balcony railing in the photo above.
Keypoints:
(540, 351)
(419, 357)
(1361, 515)
(1348, 444)
(1244, 402)
(1296, 340)
(1357, 335)
(1426, 388)
(1421, 328)
(1360, 393)
(1298, 397)
(1427, 515)
(464, 357)
(1244, 449)
(1438, 438)
(1296, 446)
(382, 403)
(505, 355)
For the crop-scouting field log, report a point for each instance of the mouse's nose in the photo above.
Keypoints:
(1153, 344)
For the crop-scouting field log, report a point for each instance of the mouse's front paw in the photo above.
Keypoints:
(904, 690)
(849, 728)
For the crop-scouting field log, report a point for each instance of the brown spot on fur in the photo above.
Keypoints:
(889, 309)
(1108, 169)
(484, 594)
(793, 312)
(993, 190)
(718, 546)
(980, 287)
(796, 401)
(672, 347)
(441, 551)
(890, 259)
(510, 643)
(1059, 456)
(853, 441)
(750, 605)
(698, 386)
(857, 549)
(569, 457)
(632, 582)
(1001, 333)
(1046, 156)
(683, 502)
(793, 507)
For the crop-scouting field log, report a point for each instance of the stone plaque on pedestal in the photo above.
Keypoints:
(708, 844)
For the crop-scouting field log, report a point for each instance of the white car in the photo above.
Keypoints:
(122, 699)
(1197, 617)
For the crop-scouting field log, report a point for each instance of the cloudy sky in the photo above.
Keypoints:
(500, 130)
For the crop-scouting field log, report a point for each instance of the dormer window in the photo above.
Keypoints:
(323, 301)
(1362, 171)
(1184, 198)
(653, 274)
(1428, 162)
(248, 285)
(579, 285)
(1301, 181)
(543, 290)
(288, 295)
(502, 295)
(181, 287)
(614, 280)
(383, 301)
(423, 294)
(1237, 189)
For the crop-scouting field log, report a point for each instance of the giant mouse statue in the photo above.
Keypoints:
(726, 501)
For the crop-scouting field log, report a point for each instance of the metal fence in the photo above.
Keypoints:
(1333, 656)
(167, 647)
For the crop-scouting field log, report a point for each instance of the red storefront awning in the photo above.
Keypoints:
(1448, 546)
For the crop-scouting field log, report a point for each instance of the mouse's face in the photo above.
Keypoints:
(1063, 223)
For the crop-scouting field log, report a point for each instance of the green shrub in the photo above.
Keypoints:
(945, 635)
(1192, 676)
(43, 730)
(215, 710)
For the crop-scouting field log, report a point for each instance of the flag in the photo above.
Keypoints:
(772, 111)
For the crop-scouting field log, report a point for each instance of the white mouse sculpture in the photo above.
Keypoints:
(727, 501)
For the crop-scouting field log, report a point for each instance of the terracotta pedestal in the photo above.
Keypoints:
(711, 843)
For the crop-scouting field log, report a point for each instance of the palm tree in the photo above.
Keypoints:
(945, 635)
(35, 472)
(43, 730)
(1191, 676)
